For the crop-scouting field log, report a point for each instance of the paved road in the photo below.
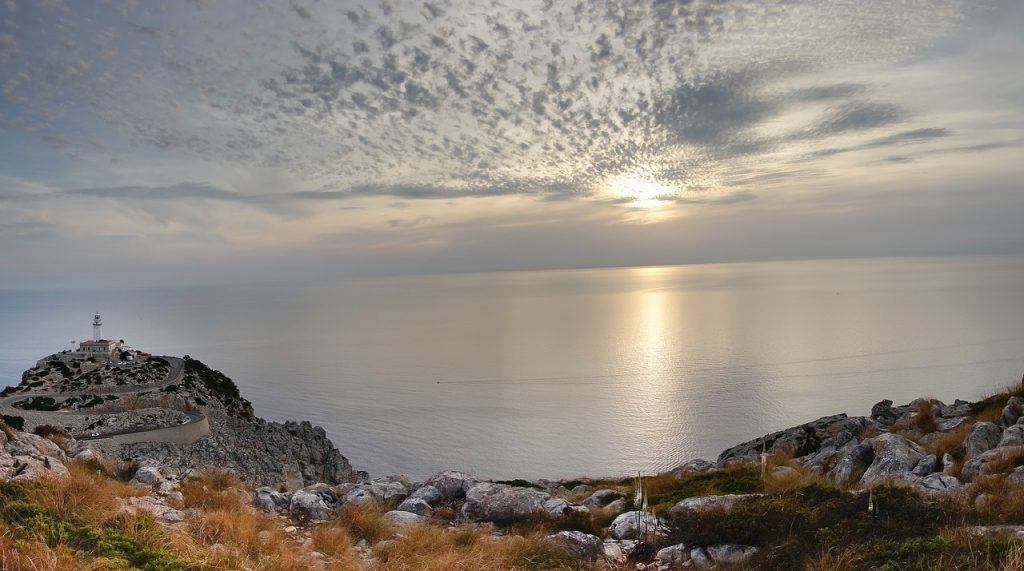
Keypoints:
(180, 433)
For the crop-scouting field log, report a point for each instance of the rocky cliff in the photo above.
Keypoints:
(258, 451)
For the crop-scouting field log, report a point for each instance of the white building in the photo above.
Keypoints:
(97, 347)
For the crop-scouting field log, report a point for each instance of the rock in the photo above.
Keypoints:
(894, 458)
(602, 498)
(35, 467)
(1017, 476)
(950, 424)
(927, 465)
(852, 464)
(1012, 436)
(305, 506)
(882, 412)
(784, 472)
(678, 554)
(259, 452)
(693, 466)
(86, 454)
(582, 545)
(557, 507)
(616, 507)
(362, 495)
(427, 493)
(700, 558)
(27, 444)
(1011, 412)
(161, 512)
(500, 503)
(613, 552)
(405, 519)
(982, 464)
(939, 484)
(148, 476)
(582, 489)
(804, 440)
(270, 500)
(723, 503)
(634, 524)
(948, 463)
(452, 485)
(416, 506)
(731, 554)
(983, 437)
(997, 531)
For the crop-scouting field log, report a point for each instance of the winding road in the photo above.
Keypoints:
(196, 427)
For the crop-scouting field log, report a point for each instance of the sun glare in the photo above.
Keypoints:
(644, 192)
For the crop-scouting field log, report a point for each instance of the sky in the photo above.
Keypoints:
(199, 141)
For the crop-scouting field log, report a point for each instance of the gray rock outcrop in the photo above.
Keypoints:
(582, 545)
(500, 503)
(983, 437)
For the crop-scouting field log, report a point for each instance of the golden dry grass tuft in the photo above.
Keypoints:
(86, 494)
(364, 522)
(432, 548)
(214, 489)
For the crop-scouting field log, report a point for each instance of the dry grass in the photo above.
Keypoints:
(950, 442)
(1004, 499)
(332, 541)
(831, 560)
(924, 420)
(214, 489)
(431, 548)
(364, 522)
(85, 494)
(21, 555)
(800, 477)
(1009, 457)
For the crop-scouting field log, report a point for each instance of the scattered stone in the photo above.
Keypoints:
(804, 440)
(723, 503)
(148, 476)
(427, 493)
(305, 506)
(1012, 436)
(926, 465)
(700, 558)
(405, 519)
(416, 505)
(270, 500)
(635, 524)
(1012, 411)
(997, 531)
(601, 498)
(940, 484)
(161, 512)
(852, 464)
(983, 437)
(500, 503)
(731, 554)
(894, 458)
(678, 554)
(582, 545)
(451, 484)
(693, 466)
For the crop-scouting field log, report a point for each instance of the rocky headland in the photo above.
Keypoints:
(917, 486)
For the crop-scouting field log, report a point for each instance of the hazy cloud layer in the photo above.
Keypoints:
(225, 122)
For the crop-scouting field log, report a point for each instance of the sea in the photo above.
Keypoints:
(565, 373)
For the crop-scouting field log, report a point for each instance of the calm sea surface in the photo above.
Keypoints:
(574, 372)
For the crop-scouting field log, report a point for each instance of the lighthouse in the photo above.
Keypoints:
(97, 328)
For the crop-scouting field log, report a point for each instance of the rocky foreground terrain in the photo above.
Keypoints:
(926, 485)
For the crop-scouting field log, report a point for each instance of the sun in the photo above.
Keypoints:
(641, 191)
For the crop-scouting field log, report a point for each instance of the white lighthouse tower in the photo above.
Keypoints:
(97, 328)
